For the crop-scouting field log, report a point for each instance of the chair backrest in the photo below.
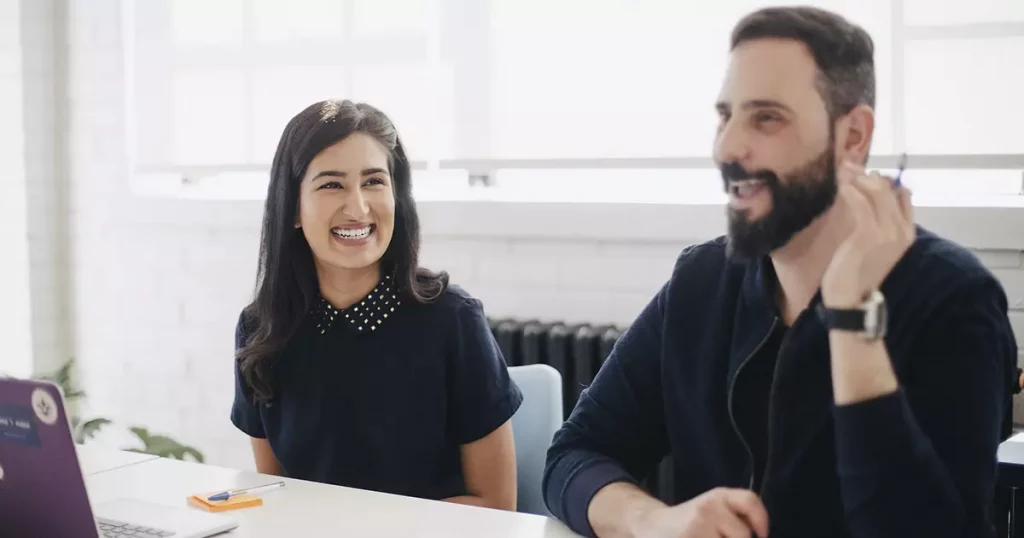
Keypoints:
(534, 425)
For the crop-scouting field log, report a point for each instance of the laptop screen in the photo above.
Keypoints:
(42, 492)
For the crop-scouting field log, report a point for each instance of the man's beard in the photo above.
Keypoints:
(805, 195)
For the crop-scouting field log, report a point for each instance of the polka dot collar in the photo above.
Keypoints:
(364, 316)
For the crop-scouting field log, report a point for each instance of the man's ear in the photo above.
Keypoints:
(854, 132)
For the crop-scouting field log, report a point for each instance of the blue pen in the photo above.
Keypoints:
(225, 495)
(899, 174)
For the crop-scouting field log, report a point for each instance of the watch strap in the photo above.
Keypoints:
(843, 320)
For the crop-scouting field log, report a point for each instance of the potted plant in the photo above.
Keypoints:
(83, 430)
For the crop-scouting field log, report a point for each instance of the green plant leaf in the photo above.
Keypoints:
(196, 454)
(163, 446)
(91, 427)
(158, 445)
(62, 378)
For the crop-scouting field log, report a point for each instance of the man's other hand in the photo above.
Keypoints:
(719, 513)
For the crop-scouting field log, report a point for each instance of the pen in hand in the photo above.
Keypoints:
(897, 183)
(225, 495)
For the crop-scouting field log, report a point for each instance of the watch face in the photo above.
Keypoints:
(876, 317)
(883, 320)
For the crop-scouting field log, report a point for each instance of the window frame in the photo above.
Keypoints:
(472, 99)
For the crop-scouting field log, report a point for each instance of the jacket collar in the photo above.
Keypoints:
(756, 313)
(760, 286)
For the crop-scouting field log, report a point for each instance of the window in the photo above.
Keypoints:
(621, 78)
(214, 83)
(977, 110)
(538, 94)
(958, 12)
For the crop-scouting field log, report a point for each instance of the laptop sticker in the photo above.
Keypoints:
(44, 406)
(17, 426)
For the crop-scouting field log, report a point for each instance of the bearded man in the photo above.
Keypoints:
(827, 368)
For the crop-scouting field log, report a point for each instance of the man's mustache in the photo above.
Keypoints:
(734, 171)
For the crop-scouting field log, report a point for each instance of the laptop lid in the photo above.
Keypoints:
(42, 491)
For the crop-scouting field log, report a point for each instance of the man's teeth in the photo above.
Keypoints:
(352, 233)
(745, 188)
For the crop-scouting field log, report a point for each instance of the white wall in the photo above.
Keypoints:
(156, 286)
(45, 134)
(15, 326)
(33, 212)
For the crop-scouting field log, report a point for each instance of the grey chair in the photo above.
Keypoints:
(534, 424)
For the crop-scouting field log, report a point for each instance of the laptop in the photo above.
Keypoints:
(42, 490)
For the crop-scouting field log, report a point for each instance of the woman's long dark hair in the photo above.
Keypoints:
(286, 281)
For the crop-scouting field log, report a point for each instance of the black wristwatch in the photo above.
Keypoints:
(869, 320)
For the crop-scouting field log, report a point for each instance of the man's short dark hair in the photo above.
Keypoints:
(843, 51)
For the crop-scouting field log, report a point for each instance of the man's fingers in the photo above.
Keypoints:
(883, 198)
(723, 521)
(858, 204)
(906, 205)
(732, 526)
(748, 505)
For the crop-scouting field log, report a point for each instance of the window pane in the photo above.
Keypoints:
(277, 21)
(624, 79)
(962, 97)
(601, 79)
(390, 18)
(209, 117)
(417, 98)
(205, 22)
(440, 184)
(928, 12)
(278, 94)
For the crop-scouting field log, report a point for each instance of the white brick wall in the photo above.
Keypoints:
(44, 52)
(16, 316)
(557, 279)
(154, 300)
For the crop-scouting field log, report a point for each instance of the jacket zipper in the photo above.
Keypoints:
(732, 388)
(771, 408)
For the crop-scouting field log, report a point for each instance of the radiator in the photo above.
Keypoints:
(577, 351)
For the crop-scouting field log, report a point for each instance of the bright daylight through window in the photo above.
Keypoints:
(542, 97)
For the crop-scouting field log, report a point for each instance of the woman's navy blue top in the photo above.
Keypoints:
(382, 396)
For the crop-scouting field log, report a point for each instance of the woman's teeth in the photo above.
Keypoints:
(353, 233)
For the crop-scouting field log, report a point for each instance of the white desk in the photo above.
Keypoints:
(99, 460)
(310, 509)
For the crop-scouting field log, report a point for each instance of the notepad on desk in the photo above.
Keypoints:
(200, 500)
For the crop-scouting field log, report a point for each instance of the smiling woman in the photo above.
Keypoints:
(356, 366)
(348, 215)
